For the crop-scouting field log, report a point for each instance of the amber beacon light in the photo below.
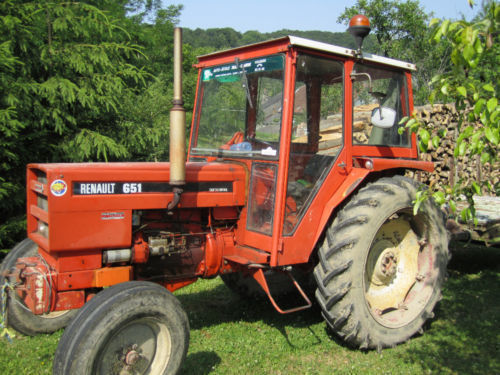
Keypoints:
(359, 27)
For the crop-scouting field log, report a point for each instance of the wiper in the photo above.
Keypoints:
(245, 81)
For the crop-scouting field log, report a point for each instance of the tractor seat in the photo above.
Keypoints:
(315, 167)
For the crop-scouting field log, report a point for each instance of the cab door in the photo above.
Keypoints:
(267, 131)
(318, 156)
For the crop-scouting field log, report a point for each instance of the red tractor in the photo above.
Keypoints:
(295, 167)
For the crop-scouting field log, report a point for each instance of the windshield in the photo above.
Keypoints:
(239, 109)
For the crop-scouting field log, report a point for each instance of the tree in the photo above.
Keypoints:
(472, 84)
(10, 130)
(65, 72)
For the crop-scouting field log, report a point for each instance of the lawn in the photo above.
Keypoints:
(234, 336)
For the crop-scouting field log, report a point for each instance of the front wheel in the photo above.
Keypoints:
(135, 327)
(381, 268)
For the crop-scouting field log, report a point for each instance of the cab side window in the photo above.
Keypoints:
(317, 134)
(379, 103)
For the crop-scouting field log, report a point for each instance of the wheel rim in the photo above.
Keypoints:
(139, 347)
(399, 278)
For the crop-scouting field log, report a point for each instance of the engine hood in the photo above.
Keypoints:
(95, 201)
(144, 185)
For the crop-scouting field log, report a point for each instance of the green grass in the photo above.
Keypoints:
(234, 336)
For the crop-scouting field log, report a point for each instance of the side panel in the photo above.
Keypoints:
(90, 230)
(337, 187)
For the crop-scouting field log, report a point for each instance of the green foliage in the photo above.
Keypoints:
(89, 143)
(472, 84)
(473, 80)
(144, 130)
(398, 25)
(223, 38)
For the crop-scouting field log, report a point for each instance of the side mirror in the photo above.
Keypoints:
(383, 117)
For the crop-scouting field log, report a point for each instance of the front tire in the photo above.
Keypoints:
(135, 327)
(381, 268)
(19, 316)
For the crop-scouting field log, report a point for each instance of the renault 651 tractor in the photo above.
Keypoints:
(295, 164)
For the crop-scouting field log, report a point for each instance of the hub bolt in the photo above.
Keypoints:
(132, 358)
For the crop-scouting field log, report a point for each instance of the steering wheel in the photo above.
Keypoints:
(236, 138)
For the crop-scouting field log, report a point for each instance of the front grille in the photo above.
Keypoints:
(38, 203)
(42, 202)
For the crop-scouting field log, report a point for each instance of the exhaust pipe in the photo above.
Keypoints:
(177, 126)
(177, 119)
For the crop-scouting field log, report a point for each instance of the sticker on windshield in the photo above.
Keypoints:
(268, 151)
(232, 71)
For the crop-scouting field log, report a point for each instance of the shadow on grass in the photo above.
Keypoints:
(220, 305)
(472, 257)
(200, 363)
(465, 336)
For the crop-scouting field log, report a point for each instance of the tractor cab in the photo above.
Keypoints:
(298, 113)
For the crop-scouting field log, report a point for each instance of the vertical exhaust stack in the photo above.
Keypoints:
(177, 119)
(177, 126)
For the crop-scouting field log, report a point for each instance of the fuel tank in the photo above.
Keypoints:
(87, 206)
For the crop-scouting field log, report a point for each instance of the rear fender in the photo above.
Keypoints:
(358, 175)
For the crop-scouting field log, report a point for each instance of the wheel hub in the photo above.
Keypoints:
(392, 265)
(140, 347)
(388, 265)
(132, 357)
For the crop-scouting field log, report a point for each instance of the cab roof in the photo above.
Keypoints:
(312, 45)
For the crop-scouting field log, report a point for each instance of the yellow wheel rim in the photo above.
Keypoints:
(391, 266)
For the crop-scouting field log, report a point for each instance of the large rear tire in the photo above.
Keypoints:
(135, 327)
(19, 316)
(381, 268)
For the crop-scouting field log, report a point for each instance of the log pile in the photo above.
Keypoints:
(448, 169)
(331, 135)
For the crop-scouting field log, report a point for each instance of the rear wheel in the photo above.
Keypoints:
(381, 268)
(19, 316)
(130, 328)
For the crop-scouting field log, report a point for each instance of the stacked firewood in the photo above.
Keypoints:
(448, 169)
